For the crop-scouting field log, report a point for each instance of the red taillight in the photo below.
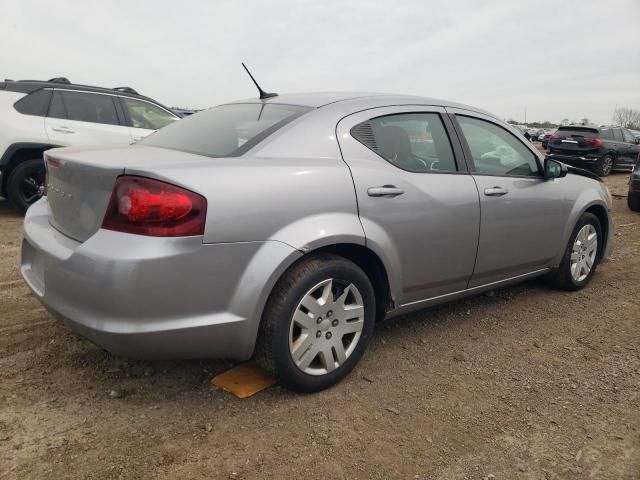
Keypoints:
(553, 138)
(593, 141)
(150, 207)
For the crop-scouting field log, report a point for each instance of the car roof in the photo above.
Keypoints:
(29, 86)
(364, 99)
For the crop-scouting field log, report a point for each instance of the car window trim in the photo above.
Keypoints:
(454, 112)
(458, 154)
(114, 96)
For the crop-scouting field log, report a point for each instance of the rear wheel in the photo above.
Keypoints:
(581, 255)
(317, 323)
(633, 200)
(604, 165)
(25, 183)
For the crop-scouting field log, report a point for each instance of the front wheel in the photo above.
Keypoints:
(25, 183)
(581, 255)
(317, 323)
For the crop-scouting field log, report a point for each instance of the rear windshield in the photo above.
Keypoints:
(577, 132)
(225, 131)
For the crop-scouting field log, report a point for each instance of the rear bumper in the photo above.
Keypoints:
(575, 160)
(150, 297)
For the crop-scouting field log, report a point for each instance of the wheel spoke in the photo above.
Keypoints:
(340, 354)
(327, 293)
(311, 304)
(306, 359)
(352, 327)
(326, 358)
(304, 320)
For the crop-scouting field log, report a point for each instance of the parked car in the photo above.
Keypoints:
(284, 227)
(633, 199)
(545, 138)
(601, 149)
(36, 116)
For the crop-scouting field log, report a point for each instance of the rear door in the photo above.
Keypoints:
(144, 117)
(418, 205)
(523, 215)
(85, 118)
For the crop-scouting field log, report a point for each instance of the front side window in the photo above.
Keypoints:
(417, 142)
(495, 151)
(225, 131)
(90, 107)
(628, 136)
(146, 115)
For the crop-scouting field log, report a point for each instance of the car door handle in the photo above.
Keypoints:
(62, 130)
(384, 191)
(495, 191)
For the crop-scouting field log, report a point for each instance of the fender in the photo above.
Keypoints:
(586, 200)
(16, 147)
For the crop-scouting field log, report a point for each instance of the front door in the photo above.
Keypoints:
(523, 215)
(418, 205)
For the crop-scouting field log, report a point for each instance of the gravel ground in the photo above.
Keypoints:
(527, 383)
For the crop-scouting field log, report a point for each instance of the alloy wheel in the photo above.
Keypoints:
(583, 252)
(32, 185)
(326, 326)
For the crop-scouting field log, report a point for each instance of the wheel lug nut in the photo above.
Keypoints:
(319, 320)
(334, 323)
(318, 334)
(329, 313)
(328, 335)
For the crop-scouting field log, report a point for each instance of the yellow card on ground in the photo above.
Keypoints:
(243, 380)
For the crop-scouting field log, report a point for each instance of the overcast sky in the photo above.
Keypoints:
(559, 59)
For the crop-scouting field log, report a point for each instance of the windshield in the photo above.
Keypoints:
(225, 131)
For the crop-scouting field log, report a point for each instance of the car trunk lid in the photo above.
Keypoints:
(80, 181)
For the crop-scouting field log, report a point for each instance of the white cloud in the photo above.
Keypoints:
(557, 59)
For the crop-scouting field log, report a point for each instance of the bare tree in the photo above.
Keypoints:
(627, 117)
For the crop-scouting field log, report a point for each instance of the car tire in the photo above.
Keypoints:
(296, 344)
(604, 166)
(633, 200)
(571, 274)
(23, 185)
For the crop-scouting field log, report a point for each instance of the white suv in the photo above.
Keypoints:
(36, 116)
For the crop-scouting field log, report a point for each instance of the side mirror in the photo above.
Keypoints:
(554, 169)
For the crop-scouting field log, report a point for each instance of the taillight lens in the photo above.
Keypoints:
(145, 206)
(553, 138)
(595, 142)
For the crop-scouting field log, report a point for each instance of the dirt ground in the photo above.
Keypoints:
(527, 383)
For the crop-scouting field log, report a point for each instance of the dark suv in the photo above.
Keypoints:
(600, 149)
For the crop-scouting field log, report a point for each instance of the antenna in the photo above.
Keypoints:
(263, 94)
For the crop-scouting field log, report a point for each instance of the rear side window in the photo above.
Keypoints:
(90, 107)
(417, 142)
(617, 135)
(564, 132)
(35, 103)
(57, 110)
(225, 131)
(606, 134)
(146, 115)
(495, 151)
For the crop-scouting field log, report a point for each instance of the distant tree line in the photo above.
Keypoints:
(627, 118)
(545, 124)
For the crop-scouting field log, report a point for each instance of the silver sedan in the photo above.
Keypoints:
(283, 228)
